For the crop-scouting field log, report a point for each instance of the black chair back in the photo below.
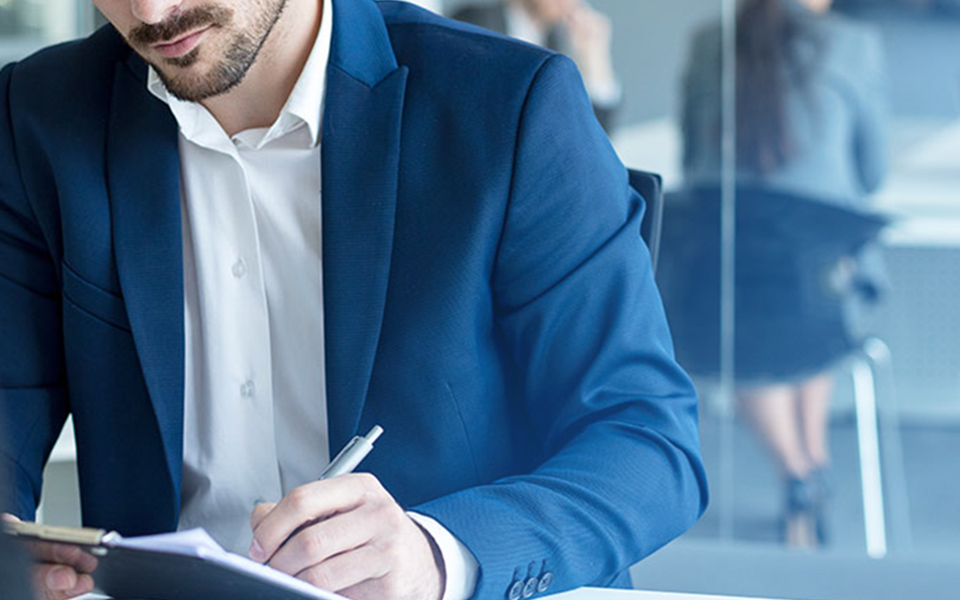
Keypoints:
(650, 186)
(792, 305)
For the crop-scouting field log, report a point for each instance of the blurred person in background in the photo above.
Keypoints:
(810, 124)
(943, 7)
(571, 27)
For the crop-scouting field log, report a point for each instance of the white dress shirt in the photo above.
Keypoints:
(255, 410)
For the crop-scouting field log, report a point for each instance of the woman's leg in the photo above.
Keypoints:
(814, 400)
(773, 413)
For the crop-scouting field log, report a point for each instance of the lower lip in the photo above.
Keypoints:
(180, 47)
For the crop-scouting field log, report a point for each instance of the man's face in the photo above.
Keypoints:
(199, 49)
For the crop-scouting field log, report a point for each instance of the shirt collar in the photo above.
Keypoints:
(304, 106)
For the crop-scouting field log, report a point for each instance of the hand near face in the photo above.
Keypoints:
(351, 537)
(589, 29)
(60, 571)
(590, 38)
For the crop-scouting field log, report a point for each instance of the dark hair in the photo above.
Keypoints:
(768, 36)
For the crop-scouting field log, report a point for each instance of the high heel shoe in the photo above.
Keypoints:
(799, 524)
(822, 485)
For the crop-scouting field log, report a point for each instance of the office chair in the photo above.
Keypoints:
(650, 186)
(786, 245)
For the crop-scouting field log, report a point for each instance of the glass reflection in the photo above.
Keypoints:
(573, 27)
(810, 147)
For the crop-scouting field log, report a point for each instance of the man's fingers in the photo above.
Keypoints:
(59, 582)
(358, 567)
(259, 512)
(63, 554)
(56, 578)
(84, 586)
(317, 543)
(309, 503)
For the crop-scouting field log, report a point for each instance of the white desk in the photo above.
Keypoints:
(601, 594)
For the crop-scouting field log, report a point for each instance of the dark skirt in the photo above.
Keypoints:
(790, 297)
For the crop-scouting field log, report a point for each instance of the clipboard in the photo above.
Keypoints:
(186, 565)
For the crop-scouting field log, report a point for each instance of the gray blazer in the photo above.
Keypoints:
(837, 124)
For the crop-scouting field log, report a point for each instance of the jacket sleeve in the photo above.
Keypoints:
(33, 404)
(582, 318)
(870, 140)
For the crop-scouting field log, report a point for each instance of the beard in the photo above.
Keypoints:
(241, 48)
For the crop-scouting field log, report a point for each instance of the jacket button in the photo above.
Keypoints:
(545, 580)
(530, 588)
(516, 591)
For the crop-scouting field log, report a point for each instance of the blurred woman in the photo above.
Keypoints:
(810, 124)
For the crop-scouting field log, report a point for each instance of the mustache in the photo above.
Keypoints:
(181, 23)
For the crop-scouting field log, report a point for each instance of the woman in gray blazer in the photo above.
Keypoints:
(811, 112)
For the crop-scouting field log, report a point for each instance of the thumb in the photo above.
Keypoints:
(260, 511)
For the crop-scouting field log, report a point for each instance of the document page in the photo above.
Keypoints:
(198, 543)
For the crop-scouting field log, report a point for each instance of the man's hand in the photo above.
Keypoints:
(348, 535)
(61, 571)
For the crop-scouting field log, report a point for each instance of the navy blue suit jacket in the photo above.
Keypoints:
(488, 299)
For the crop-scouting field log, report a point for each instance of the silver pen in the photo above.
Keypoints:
(355, 451)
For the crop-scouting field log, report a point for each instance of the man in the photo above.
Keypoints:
(569, 26)
(13, 562)
(267, 225)
(13, 570)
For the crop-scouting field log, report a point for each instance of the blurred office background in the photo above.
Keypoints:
(894, 418)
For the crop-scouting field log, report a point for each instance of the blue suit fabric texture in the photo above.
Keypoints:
(488, 299)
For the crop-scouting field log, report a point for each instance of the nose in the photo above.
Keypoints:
(154, 11)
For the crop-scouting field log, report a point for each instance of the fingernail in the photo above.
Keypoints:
(256, 552)
(84, 586)
(59, 579)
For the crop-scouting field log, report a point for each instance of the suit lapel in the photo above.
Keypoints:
(360, 163)
(143, 172)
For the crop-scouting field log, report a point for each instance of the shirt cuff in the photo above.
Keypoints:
(458, 562)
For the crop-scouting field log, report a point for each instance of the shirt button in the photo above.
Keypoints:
(247, 389)
(239, 269)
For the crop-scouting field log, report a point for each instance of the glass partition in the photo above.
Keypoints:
(809, 154)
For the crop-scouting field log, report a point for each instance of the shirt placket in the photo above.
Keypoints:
(249, 318)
